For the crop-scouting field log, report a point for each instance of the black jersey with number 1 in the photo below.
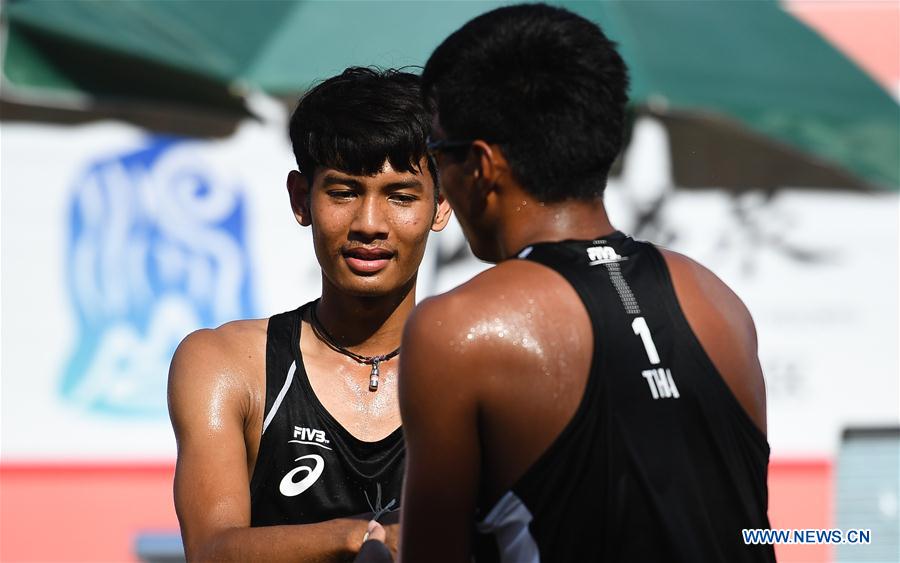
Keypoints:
(659, 462)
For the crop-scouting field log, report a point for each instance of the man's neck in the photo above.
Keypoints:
(530, 222)
(368, 325)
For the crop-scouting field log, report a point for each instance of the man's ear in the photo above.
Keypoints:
(442, 215)
(488, 165)
(298, 189)
(491, 164)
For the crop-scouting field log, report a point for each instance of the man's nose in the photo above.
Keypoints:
(370, 220)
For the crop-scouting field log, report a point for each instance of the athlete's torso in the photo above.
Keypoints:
(659, 462)
(309, 468)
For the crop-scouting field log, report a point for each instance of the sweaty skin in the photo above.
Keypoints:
(494, 370)
(217, 377)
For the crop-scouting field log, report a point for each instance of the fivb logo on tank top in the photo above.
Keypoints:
(603, 255)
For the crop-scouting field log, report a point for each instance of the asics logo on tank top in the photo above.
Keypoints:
(291, 488)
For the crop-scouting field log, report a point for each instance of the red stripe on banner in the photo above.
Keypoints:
(97, 510)
(801, 496)
(780, 465)
(117, 468)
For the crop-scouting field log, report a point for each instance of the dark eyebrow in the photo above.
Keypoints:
(331, 179)
(412, 183)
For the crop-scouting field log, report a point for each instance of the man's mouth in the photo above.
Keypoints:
(367, 260)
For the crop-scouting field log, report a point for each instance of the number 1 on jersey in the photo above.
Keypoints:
(639, 325)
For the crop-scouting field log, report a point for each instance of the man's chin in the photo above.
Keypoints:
(369, 292)
(371, 286)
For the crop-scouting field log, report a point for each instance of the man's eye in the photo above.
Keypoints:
(341, 194)
(403, 198)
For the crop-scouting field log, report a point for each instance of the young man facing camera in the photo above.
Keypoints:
(600, 399)
(288, 427)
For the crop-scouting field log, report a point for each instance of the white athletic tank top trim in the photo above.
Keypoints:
(280, 397)
(508, 522)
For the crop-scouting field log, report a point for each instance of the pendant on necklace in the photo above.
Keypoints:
(373, 377)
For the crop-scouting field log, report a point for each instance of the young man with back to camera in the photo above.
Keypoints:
(592, 397)
(288, 427)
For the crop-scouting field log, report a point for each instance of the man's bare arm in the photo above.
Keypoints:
(726, 331)
(440, 420)
(210, 398)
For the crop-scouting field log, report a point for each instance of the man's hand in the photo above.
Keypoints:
(373, 549)
(387, 533)
(375, 531)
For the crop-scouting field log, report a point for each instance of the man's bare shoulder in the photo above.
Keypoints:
(473, 338)
(225, 361)
(510, 292)
(702, 294)
(236, 341)
(518, 313)
(725, 328)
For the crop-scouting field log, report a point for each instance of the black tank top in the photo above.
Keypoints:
(660, 462)
(309, 467)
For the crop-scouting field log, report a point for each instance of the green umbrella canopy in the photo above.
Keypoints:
(744, 69)
(759, 67)
(210, 51)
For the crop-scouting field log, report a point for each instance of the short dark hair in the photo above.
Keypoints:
(543, 83)
(354, 121)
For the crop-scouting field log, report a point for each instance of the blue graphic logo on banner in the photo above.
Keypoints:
(157, 249)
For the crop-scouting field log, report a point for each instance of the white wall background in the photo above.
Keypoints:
(818, 270)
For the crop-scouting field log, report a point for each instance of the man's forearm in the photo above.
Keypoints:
(330, 541)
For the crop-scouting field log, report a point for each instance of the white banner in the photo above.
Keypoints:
(117, 243)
